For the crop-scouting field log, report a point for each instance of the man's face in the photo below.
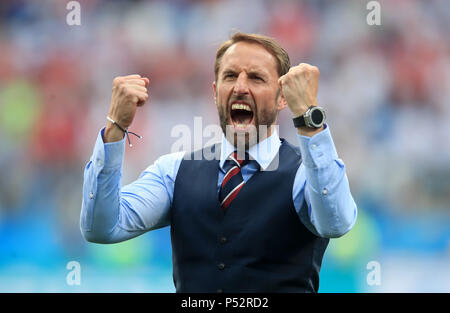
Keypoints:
(246, 92)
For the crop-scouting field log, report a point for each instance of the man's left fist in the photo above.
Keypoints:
(299, 87)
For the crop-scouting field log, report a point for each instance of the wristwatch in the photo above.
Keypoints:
(314, 117)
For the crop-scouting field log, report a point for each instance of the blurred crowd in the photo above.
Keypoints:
(385, 88)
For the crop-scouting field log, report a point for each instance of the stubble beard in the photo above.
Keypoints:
(257, 132)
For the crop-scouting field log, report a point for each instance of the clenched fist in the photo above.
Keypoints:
(128, 93)
(299, 87)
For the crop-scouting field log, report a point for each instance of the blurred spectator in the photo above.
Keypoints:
(385, 88)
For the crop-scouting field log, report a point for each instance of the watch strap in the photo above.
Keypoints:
(299, 121)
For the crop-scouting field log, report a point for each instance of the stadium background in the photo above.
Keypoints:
(386, 90)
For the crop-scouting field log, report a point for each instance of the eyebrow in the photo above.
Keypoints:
(229, 71)
(258, 73)
(250, 72)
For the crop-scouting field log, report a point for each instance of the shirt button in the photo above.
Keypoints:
(91, 195)
(223, 240)
(219, 290)
(313, 147)
(221, 266)
(99, 162)
(324, 191)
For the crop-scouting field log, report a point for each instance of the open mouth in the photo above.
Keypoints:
(241, 115)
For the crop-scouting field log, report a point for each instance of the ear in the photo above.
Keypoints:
(215, 91)
(281, 101)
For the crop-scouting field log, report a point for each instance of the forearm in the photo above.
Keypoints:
(332, 209)
(112, 133)
(112, 214)
(100, 211)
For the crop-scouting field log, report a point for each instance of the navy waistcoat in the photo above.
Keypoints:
(258, 245)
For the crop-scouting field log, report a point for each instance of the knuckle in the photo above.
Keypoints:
(123, 88)
(133, 76)
(291, 76)
(297, 69)
(117, 80)
(294, 73)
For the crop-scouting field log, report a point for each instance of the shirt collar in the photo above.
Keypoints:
(263, 152)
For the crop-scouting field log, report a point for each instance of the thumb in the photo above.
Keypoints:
(146, 81)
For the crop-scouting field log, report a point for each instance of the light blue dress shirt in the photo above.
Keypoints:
(111, 213)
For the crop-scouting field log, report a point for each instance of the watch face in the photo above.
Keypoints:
(317, 117)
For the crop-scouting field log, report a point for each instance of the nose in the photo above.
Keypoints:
(241, 85)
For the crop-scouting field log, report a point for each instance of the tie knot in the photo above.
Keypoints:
(236, 159)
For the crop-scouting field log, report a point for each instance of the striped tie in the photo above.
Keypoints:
(232, 181)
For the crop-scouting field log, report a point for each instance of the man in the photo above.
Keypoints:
(256, 219)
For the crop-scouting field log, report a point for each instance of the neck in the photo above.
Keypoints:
(244, 141)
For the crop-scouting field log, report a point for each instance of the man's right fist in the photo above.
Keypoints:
(128, 92)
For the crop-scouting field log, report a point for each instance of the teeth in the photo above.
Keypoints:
(241, 106)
